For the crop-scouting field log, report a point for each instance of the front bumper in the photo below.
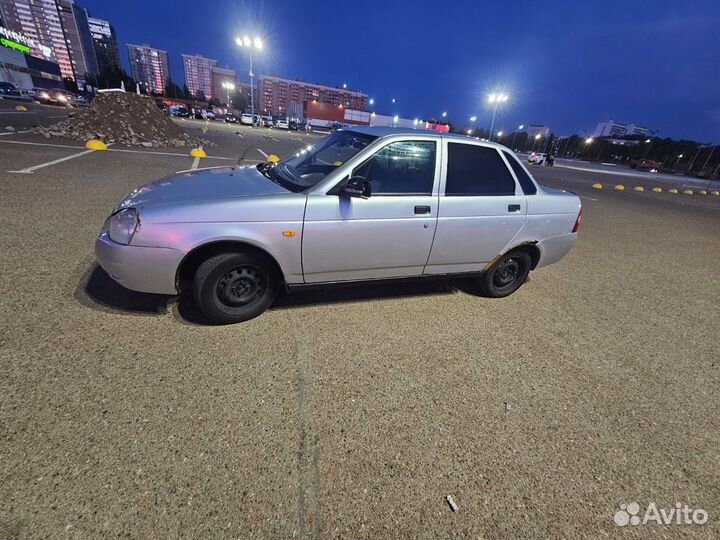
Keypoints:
(143, 269)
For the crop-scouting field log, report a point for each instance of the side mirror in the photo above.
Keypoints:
(356, 186)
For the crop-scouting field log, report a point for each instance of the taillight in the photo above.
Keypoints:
(577, 221)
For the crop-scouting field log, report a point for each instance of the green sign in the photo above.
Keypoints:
(12, 45)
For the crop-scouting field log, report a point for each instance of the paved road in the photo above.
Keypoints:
(352, 412)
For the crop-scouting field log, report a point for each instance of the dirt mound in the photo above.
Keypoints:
(123, 118)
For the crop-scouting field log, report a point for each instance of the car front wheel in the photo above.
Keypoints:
(234, 287)
(506, 275)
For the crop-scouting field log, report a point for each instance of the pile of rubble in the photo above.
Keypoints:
(122, 118)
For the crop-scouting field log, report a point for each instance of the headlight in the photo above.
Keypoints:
(44, 95)
(123, 225)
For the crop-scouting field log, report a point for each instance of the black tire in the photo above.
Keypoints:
(234, 287)
(507, 275)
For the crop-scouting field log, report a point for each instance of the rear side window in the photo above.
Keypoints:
(523, 177)
(477, 170)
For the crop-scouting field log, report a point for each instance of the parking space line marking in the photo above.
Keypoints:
(162, 153)
(115, 149)
(42, 144)
(14, 133)
(588, 198)
(195, 163)
(263, 153)
(34, 168)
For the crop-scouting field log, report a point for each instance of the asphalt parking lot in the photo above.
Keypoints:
(352, 413)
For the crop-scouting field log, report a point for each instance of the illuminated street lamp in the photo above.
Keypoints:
(445, 114)
(251, 45)
(499, 134)
(344, 85)
(520, 127)
(589, 140)
(228, 86)
(372, 101)
(393, 100)
(495, 100)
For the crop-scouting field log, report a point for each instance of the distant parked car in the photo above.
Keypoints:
(210, 115)
(51, 97)
(267, 121)
(230, 118)
(8, 89)
(282, 123)
(537, 158)
(246, 119)
(365, 203)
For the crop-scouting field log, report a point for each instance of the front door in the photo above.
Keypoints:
(387, 235)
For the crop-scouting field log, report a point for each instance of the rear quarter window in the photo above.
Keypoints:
(526, 183)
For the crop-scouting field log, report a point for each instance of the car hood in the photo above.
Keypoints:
(203, 184)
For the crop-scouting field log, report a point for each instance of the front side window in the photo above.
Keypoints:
(477, 170)
(401, 168)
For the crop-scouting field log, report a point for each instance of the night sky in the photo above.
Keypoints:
(567, 63)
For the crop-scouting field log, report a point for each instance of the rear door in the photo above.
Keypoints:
(482, 208)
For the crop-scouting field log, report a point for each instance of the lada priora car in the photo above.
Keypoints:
(361, 204)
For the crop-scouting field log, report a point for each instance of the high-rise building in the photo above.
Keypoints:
(78, 39)
(149, 66)
(617, 129)
(40, 21)
(105, 43)
(198, 74)
(220, 78)
(277, 94)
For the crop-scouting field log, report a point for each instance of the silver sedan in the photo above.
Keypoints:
(362, 204)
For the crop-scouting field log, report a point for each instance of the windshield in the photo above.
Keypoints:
(313, 163)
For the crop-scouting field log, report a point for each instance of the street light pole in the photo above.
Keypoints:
(495, 99)
(515, 135)
(249, 44)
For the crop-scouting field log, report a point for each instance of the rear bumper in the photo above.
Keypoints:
(555, 248)
(143, 269)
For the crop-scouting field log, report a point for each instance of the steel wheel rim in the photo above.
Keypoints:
(507, 272)
(241, 286)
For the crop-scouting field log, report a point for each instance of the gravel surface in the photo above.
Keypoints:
(354, 412)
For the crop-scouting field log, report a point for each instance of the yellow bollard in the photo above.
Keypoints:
(639, 189)
(687, 192)
(272, 158)
(198, 153)
(21, 108)
(702, 192)
(657, 189)
(94, 144)
(597, 186)
(673, 191)
(619, 187)
(716, 193)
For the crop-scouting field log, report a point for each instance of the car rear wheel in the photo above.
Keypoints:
(507, 274)
(234, 287)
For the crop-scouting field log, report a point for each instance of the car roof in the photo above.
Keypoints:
(384, 131)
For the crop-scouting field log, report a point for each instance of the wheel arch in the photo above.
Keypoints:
(530, 247)
(195, 257)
